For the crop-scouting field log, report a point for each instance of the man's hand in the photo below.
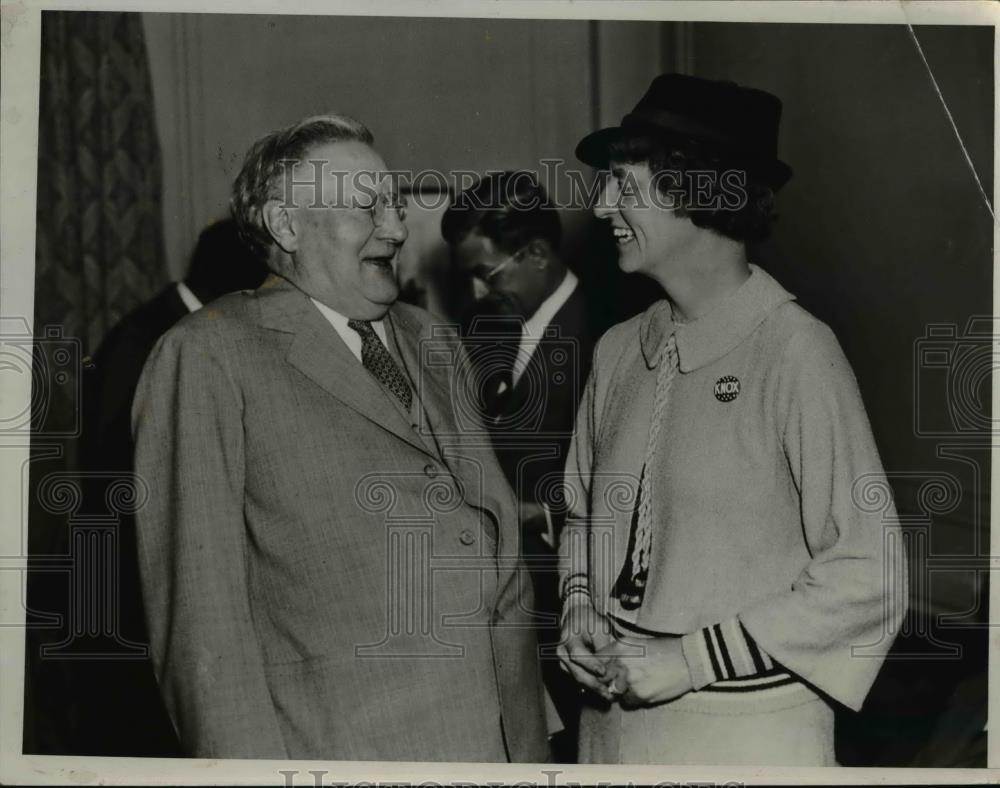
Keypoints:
(585, 632)
(647, 672)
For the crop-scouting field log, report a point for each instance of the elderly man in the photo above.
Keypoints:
(329, 552)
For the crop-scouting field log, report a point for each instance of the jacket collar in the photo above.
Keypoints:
(317, 351)
(712, 335)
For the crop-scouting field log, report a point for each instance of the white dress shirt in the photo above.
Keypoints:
(351, 337)
(534, 327)
(191, 301)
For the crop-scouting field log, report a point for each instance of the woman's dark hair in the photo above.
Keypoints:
(510, 208)
(728, 198)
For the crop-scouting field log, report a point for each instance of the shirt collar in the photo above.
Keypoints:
(534, 327)
(338, 319)
(348, 334)
(191, 301)
(714, 334)
(537, 323)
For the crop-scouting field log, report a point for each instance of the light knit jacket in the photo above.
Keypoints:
(767, 538)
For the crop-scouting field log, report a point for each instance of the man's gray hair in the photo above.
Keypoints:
(264, 166)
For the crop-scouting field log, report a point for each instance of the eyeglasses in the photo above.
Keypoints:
(481, 282)
(495, 270)
(383, 202)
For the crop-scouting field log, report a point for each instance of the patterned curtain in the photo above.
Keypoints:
(99, 254)
(99, 235)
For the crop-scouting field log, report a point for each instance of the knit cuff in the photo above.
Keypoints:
(575, 597)
(723, 651)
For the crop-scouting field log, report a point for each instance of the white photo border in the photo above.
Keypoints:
(20, 27)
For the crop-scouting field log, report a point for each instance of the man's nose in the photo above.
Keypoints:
(479, 289)
(393, 229)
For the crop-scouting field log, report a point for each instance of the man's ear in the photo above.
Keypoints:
(540, 252)
(278, 221)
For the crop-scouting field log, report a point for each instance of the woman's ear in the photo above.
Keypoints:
(278, 221)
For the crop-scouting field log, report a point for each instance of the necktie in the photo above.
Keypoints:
(377, 360)
(630, 588)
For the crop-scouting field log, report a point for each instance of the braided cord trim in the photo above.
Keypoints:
(665, 373)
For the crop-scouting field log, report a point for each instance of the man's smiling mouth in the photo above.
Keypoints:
(384, 263)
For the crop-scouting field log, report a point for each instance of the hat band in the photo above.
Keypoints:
(681, 124)
(678, 123)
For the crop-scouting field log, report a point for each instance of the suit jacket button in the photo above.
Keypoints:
(466, 537)
(430, 470)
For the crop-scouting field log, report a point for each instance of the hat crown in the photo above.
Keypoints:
(738, 124)
(740, 118)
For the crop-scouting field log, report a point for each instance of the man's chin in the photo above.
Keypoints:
(382, 293)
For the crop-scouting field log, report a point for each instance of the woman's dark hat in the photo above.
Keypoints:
(739, 124)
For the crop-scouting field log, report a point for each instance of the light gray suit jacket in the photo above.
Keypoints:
(322, 579)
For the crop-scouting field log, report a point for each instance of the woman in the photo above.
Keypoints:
(721, 584)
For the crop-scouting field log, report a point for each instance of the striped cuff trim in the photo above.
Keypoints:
(698, 659)
(724, 652)
(777, 678)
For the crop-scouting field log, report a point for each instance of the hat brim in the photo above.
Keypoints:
(593, 150)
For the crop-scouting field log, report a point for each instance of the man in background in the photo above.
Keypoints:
(221, 263)
(530, 334)
(121, 712)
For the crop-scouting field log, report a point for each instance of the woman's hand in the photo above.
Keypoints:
(646, 672)
(585, 632)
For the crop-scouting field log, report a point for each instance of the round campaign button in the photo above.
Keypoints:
(727, 388)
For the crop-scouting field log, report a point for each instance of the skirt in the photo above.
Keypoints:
(732, 723)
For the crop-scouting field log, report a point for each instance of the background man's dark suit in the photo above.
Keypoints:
(532, 420)
(120, 710)
(531, 423)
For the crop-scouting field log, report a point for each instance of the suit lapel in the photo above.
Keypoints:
(469, 457)
(526, 384)
(432, 382)
(570, 323)
(405, 335)
(319, 353)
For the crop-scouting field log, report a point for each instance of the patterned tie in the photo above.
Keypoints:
(377, 360)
